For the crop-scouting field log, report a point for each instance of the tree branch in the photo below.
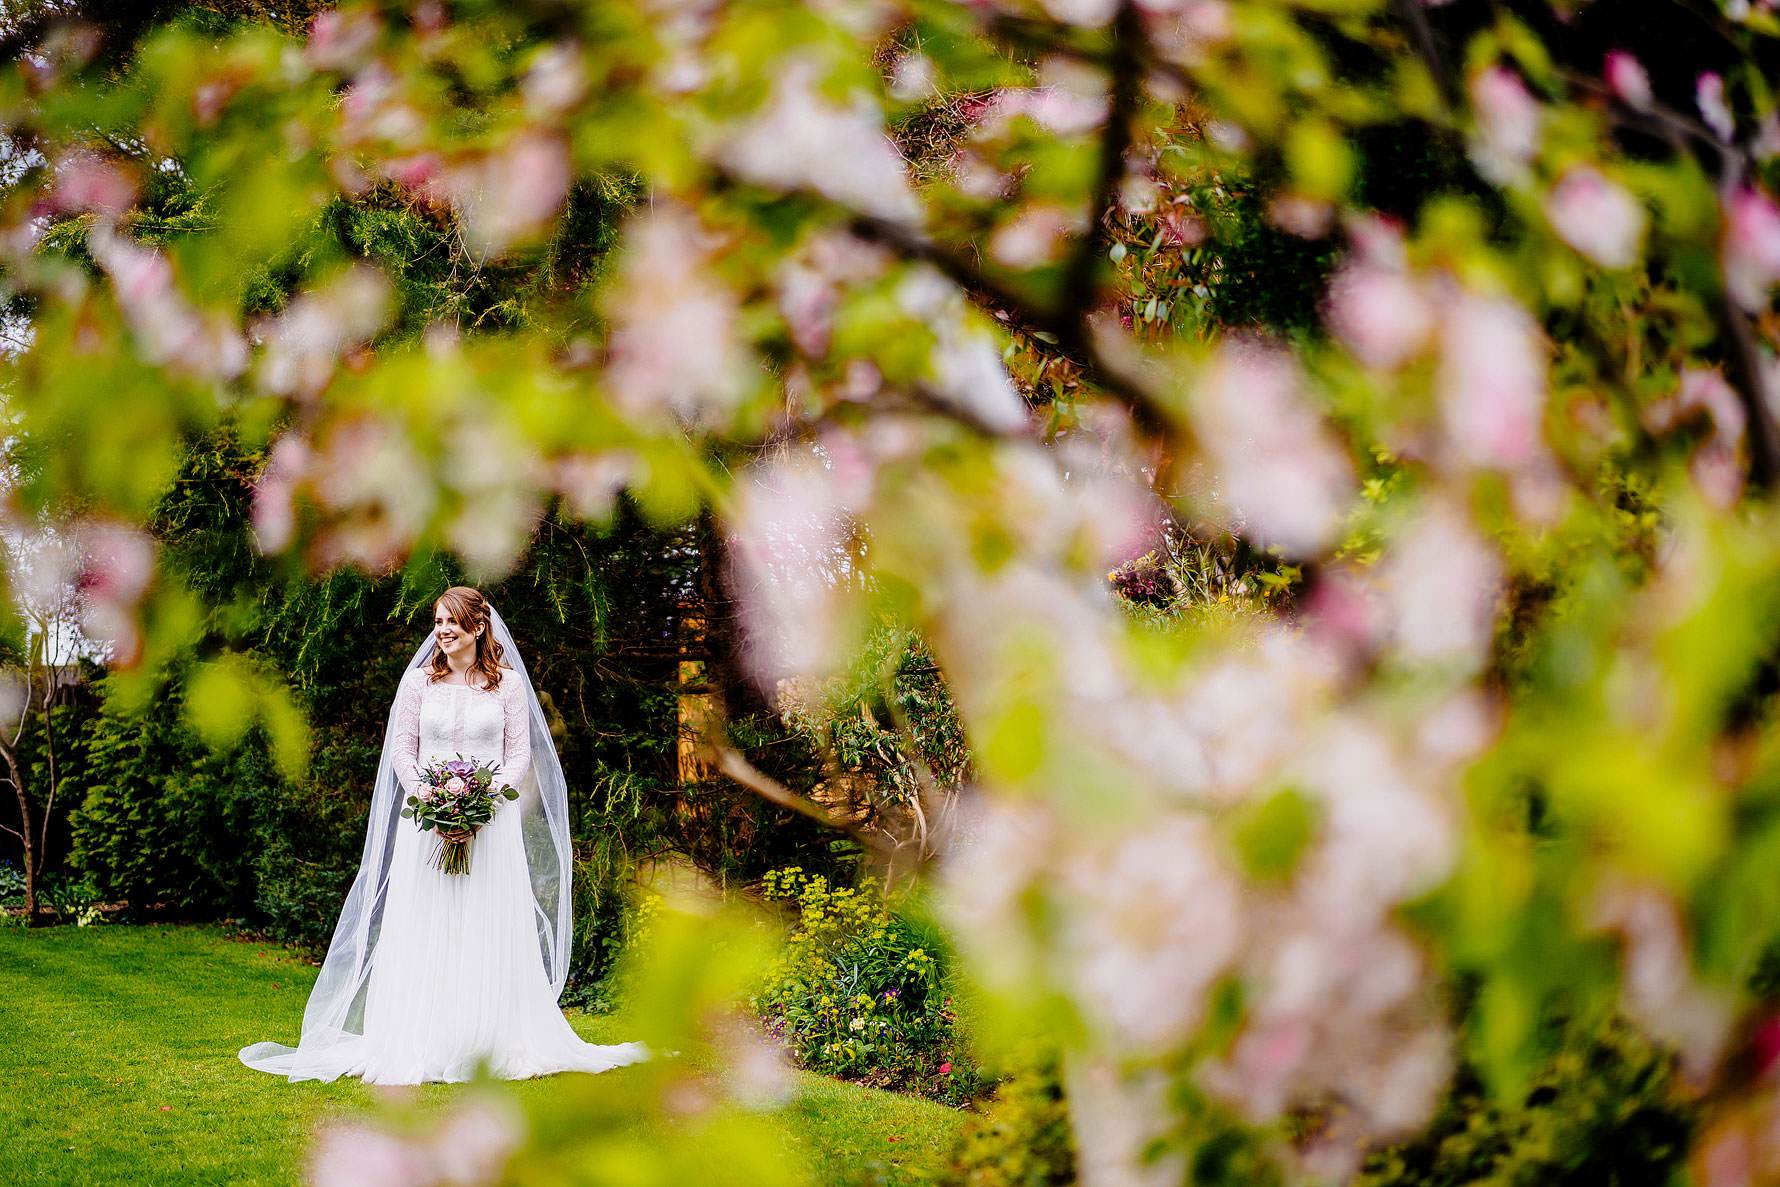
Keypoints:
(1124, 78)
(1071, 335)
(1415, 18)
(734, 766)
(1744, 370)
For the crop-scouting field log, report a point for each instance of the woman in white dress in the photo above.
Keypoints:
(429, 975)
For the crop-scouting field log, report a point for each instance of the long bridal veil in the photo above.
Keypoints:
(333, 1021)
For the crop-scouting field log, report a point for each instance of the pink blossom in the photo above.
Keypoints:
(945, 1069)
(800, 138)
(1157, 921)
(591, 481)
(1122, 1119)
(474, 1144)
(1626, 75)
(274, 515)
(341, 41)
(359, 1156)
(513, 192)
(119, 561)
(1089, 14)
(811, 280)
(455, 786)
(557, 80)
(993, 860)
(1659, 989)
(1384, 837)
(673, 343)
(1182, 229)
(1377, 307)
(1709, 96)
(1509, 121)
(1766, 144)
(1229, 136)
(758, 1075)
(495, 474)
(88, 182)
(1066, 108)
(1281, 470)
(170, 332)
(1340, 614)
(1491, 381)
(1597, 217)
(913, 78)
(368, 469)
(1717, 464)
(1037, 235)
(304, 342)
(420, 172)
(1307, 218)
(965, 369)
(790, 562)
(1751, 248)
(1441, 583)
(1184, 29)
(376, 109)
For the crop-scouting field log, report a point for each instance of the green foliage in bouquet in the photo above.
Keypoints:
(455, 797)
(861, 992)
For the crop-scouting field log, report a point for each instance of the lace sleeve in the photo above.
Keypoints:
(516, 742)
(405, 742)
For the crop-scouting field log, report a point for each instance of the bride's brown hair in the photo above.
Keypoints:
(470, 609)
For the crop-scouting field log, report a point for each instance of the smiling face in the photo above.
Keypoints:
(457, 641)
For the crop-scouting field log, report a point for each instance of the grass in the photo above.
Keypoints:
(119, 1053)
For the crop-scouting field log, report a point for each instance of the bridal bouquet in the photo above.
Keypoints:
(455, 796)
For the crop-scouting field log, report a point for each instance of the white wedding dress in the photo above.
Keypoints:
(456, 980)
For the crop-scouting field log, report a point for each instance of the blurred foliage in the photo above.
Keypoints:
(1021, 1139)
(1607, 1109)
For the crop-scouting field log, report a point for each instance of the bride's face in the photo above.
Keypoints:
(454, 640)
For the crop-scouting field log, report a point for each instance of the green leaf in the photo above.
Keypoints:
(1272, 835)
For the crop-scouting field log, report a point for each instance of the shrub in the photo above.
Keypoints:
(74, 899)
(163, 819)
(12, 884)
(860, 992)
(311, 835)
(597, 977)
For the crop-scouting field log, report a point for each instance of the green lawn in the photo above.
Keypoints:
(118, 1064)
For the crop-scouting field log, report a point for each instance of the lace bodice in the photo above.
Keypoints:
(436, 720)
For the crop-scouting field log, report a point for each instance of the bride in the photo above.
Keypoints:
(431, 975)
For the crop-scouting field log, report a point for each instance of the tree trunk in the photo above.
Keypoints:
(735, 692)
(25, 830)
(49, 750)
